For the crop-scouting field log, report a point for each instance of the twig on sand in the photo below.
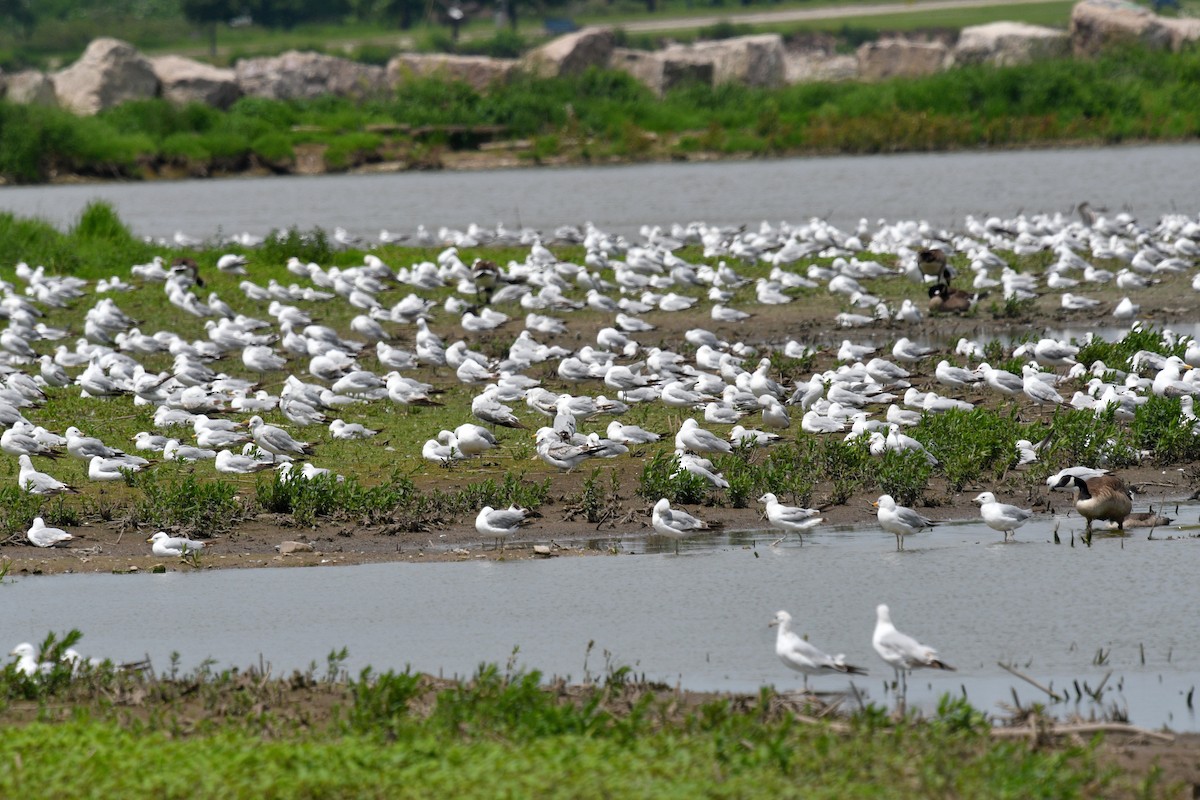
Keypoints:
(1081, 728)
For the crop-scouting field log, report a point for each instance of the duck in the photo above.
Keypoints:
(1104, 497)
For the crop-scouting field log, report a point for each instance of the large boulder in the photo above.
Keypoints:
(748, 60)
(295, 75)
(1184, 31)
(1009, 43)
(572, 54)
(900, 58)
(479, 72)
(662, 71)
(185, 80)
(109, 73)
(815, 66)
(1096, 24)
(31, 87)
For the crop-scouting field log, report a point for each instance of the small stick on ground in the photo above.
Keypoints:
(1028, 680)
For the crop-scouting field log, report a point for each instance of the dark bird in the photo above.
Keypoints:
(932, 262)
(944, 300)
(1104, 497)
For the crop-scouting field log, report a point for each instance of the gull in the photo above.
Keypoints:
(276, 441)
(900, 416)
(442, 450)
(906, 350)
(261, 359)
(487, 408)
(1056, 481)
(340, 429)
(1040, 392)
(854, 352)
(557, 453)
(174, 451)
(694, 438)
(900, 442)
(1001, 516)
(630, 434)
(1077, 302)
(700, 467)
(232, 463)
(955, 376)
(722, 313)
(232, 264)
(722, 414)
(41, 536)
(110, 469)
(1001, 380)
(19, 441)
(673, 523)
(740, 435)
(166, 546)
(1126, 309)
(899, 520)
(500, 523)
(474, 440)
(798, 654)
(27, 662)
(886, 372)
(1053, 353)
(790, 518)
(903, 652)
(86, 447)
(34, 482)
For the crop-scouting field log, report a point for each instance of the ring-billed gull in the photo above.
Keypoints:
(1104, 497)
(34, 482)
(673, 523)
(27, 661)
(694, 438)
(166, 546)
(41, 536)
(500, 523)
(1001, 516)
(903, 652)
(276, 441)
(800, 655)
(899, 520)
(790, 518)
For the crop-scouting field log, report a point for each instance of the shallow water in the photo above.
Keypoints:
(940, 187)
(698, 620)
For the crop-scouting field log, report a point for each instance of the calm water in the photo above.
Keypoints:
(941, 188)
(698, 620)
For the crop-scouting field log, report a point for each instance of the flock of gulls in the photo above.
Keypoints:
(412, 325)
(416, 319)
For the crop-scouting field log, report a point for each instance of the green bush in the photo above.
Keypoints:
(273, 147)
(185, 147)
(1160, 427)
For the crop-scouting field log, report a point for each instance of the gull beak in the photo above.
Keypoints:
(875, 504)
(772, 623)
(151, 539)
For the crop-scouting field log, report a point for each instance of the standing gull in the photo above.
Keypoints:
(903, 652)
(500, 523)
(790, 518)
(673, 523)
(899, 520)
(1001, 516)
(803, 657)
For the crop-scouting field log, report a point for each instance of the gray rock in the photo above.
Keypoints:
(109, 73)
(815, 66)
(479, 72)
(748, 60)
(1184, 31)
(31, 87)
(1009, 43)
(303, 76)
(1096, 24)
(896, 58)
(662, 71)
(571, 54)
(185, 80)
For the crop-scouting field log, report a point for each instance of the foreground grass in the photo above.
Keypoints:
(230, 734)
(601, 116)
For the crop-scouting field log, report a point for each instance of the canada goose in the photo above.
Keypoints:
(931, 262)
(944, 300)
(1103, 497)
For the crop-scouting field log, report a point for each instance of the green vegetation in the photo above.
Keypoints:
(102, 731)
(1126, 95)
